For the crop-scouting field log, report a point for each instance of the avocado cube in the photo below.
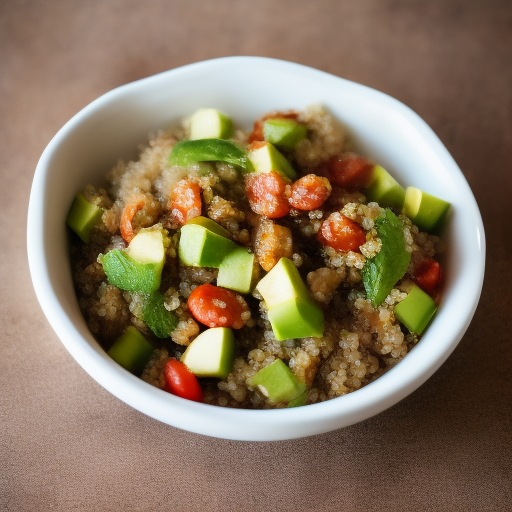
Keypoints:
(266, 158)
(237, 270)
(202, 245)
(283, 132)
(416, 310)
(426, 211)
(147, 247)
(209, 123)
(299, 401)
(278, 383)
(211, 354)
(131, 351)
(384, 189)
(83, 216)
(291, 310)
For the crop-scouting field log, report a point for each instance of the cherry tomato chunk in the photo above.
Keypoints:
(127, 216)
(217, 307)
(186, 201)
(266, 193)
(428, 275)
(309, 192)
(341, 233)
(180, 381)
(350, 171)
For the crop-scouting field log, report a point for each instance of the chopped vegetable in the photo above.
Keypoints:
(217, 307)
(127, 216)
(131, 351)
(341, 233)
(266, 193)
(187, 152)
(266, 158)
(428, 275)
(425, 210)
(278, 383)
(83, 216)
(186, 201)
(350, 171)
(416, 310)
(283, 132)
(271, 243)
(209, 123)
(381, 273)
(238, 271)
(180, 381)
(309, 192)
(257, 132)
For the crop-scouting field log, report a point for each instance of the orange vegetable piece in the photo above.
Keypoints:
(180, 381)
(266, 193)
(309, 192)
(350, 171)
(127, 216)
(428, 275)
(341, 233)
(186, 201)
(217, 307)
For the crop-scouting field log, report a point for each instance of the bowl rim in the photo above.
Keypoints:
(240, 424)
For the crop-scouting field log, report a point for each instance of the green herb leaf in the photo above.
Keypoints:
(187, 152)
(381, 273)
(161, 321)
(125, 273)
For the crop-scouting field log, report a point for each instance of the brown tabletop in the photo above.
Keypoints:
(67, 444)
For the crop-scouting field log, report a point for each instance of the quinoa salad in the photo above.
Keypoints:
(256, 269)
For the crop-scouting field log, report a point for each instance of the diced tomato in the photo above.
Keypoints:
(257, 131)
(309, 192)
(341, 233)
(428, 275)
(350, 171)
(267, 194)
(127, 216)
(217, 307)
(186, 201)
(180, 381)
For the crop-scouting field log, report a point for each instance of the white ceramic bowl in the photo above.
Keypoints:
(112, 127)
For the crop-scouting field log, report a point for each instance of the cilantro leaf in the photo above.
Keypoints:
(381, 273)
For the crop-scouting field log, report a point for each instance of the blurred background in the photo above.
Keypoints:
(67, 444)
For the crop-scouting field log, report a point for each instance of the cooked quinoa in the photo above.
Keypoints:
(360, 342)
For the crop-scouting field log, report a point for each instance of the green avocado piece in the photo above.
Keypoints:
(199, 246)
(299, 401)
(154, 314)
(209, 123)
(237, 270)
(131, 351)
(283, 132)
(83, 216)
(210, 225)
(426, 211)
(278, 383)
(211, 354)
(384, 189)
(416, 310)
(147, 247)
(267, 158)
(125, 273)
(291, 310)
(381, 273)
(186, 152)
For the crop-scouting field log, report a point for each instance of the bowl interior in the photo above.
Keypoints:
(112, 127)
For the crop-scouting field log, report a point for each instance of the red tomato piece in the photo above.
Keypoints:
(341, 233)
(186, 201)
(350, 171)
(217, 307)
(266, 193)
(309, 192)
(257, 131)
(180, 381)
(428, 275)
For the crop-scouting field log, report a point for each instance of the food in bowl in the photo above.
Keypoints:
(267, 269)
